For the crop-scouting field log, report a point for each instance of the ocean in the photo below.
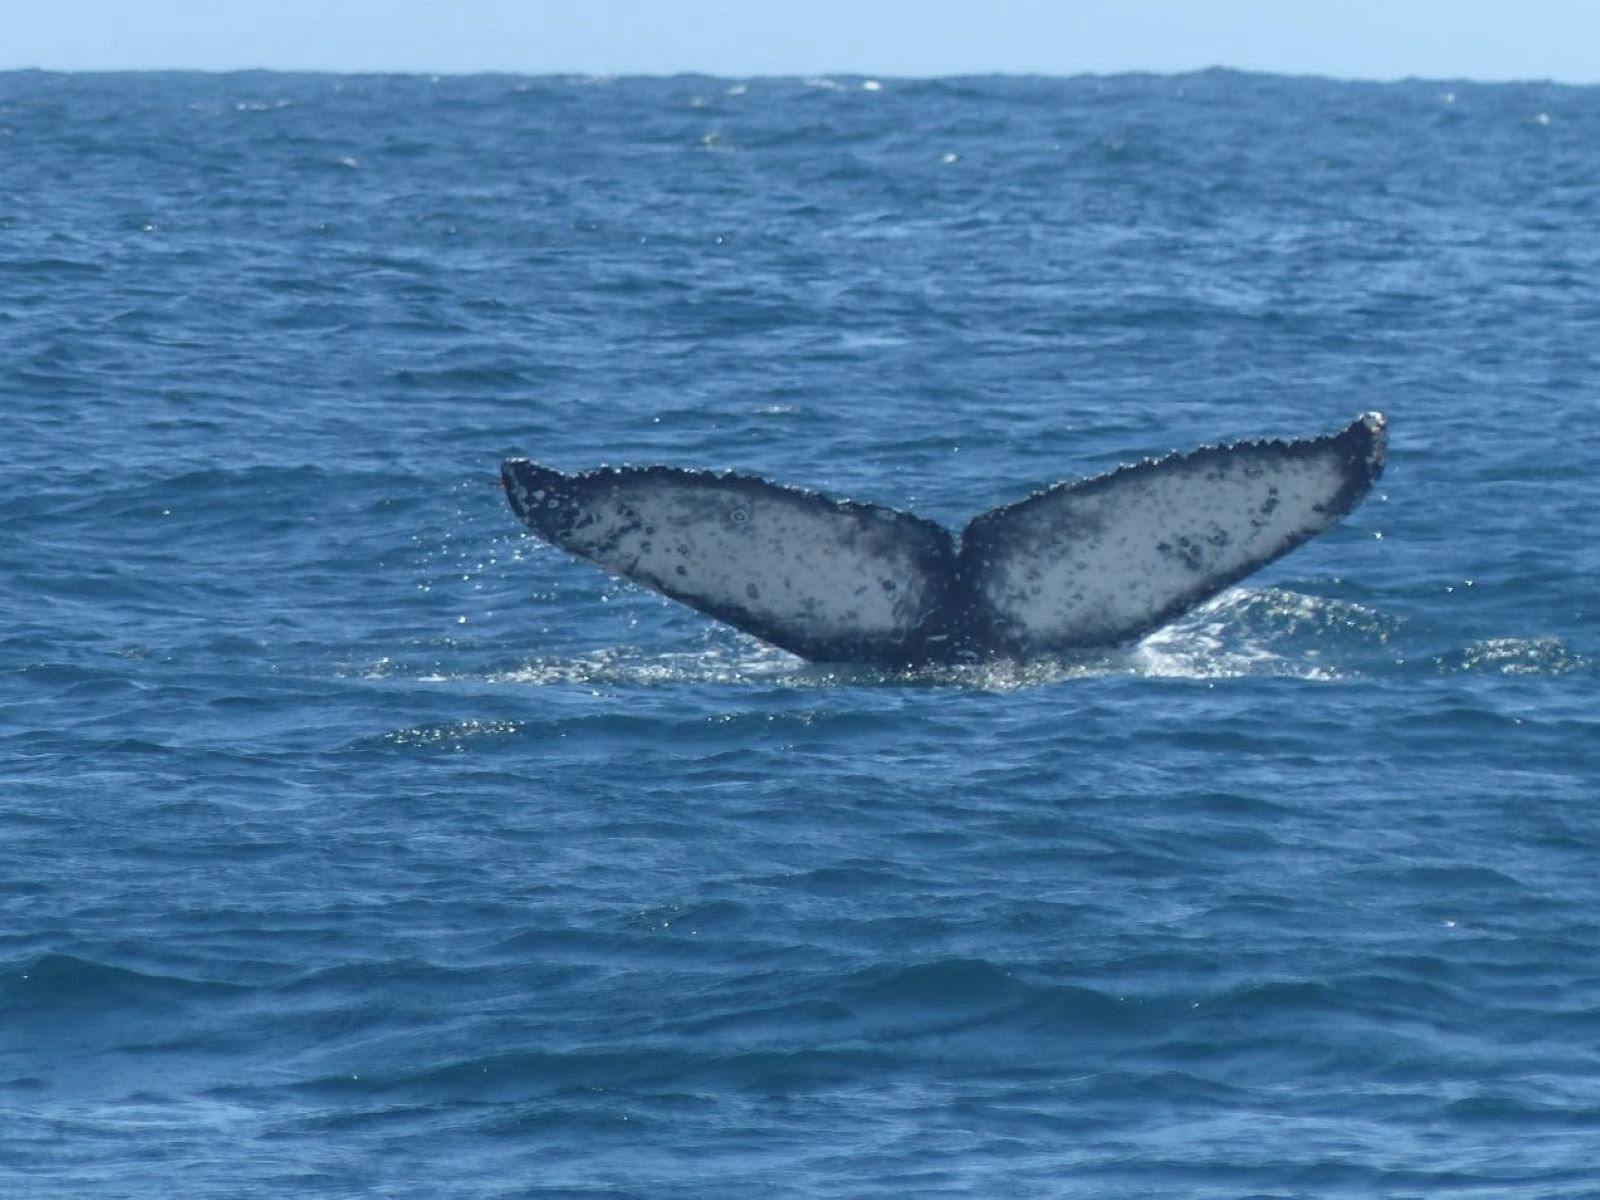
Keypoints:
(355, 843)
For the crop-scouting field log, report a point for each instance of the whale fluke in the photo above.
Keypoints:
(1090, 563)
(829, 580)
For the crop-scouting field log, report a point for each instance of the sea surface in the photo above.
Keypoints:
(353, 843)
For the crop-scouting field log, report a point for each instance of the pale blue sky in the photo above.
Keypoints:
(1372, 39)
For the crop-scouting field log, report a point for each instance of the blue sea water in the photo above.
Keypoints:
(352, 843)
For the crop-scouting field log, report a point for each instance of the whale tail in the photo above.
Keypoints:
(1088, 563)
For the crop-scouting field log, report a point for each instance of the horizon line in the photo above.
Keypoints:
(598, 76)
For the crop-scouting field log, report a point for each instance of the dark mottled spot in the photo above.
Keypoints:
(751, 592)
(889, 586)
(682, 570)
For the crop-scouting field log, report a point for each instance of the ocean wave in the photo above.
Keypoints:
(66, 982)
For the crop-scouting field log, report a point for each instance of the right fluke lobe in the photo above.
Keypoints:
(1106, 560)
